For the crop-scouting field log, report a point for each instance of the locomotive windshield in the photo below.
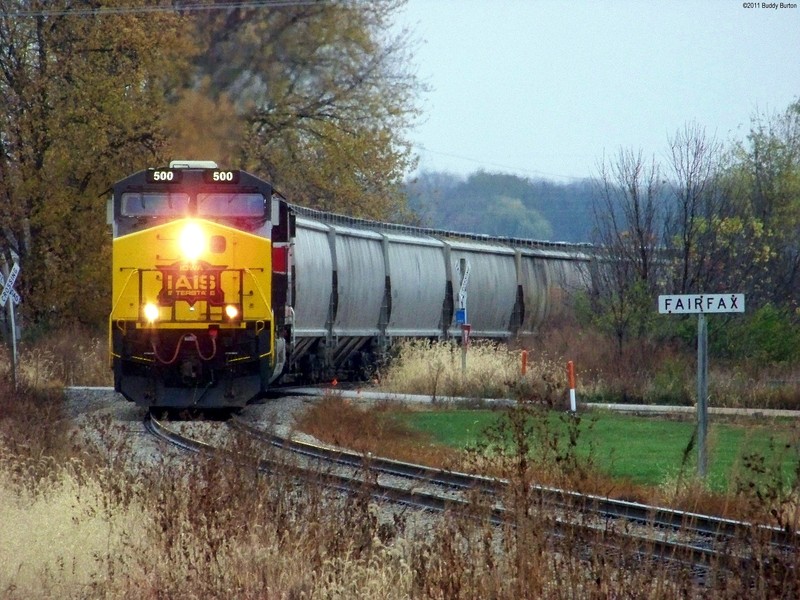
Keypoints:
(217, 204)
(154, 204)
(230, 205)
(154, 196)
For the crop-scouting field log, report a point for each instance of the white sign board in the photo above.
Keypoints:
(683, 304)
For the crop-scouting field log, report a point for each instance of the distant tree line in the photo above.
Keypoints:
(504, 205)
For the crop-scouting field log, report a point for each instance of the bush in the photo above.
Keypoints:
(768, 336)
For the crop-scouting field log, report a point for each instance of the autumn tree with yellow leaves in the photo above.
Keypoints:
(313, 96)
(323, 95)
(82, 102)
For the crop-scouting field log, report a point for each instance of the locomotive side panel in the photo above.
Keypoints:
(419, 284)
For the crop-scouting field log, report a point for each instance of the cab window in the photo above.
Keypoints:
(219, 204)
(154, 204)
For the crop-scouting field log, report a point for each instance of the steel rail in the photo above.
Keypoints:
(687, 554)
(378, 491)
(708, 528)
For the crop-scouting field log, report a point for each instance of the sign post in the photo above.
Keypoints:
(573, 406)
(8, 290)
(701, 304)
(702, 394)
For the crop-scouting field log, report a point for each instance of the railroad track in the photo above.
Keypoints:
(690, 539)
(343, 483)
(607, 508)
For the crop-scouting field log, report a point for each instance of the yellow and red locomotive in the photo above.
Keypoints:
(200, 285)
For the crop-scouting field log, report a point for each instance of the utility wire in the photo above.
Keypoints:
(129, 10)
(530, 172)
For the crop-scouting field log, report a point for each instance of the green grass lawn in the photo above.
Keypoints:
(646, 450)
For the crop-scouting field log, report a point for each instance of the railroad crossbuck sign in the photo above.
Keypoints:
(462, 267)
(8, 286)
(8, 290)
(683, 304)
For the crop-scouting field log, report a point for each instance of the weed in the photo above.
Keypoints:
(493, 371)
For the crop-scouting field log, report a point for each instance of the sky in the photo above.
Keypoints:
(547, 89)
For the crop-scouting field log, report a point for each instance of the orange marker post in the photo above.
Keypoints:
(571, 377)
(524, 362)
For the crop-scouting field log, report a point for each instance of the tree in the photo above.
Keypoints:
(325, 96)
(628, 217)
(508, 217)
(427, 194)
(82, 102)
(764, 179)
(488, 203)
(205, 126)
(696, 209)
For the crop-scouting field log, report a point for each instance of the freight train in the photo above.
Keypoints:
(221, 288)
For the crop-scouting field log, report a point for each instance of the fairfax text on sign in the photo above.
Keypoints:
(682, 304)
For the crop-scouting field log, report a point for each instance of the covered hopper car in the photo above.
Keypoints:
(221, 288)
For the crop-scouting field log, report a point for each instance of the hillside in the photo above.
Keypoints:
(503, 205)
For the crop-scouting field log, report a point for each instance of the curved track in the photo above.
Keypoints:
(687, 537)
(665, 534)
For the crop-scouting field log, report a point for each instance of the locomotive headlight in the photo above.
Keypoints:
(232, 312)
(192, 242)
(150, 312)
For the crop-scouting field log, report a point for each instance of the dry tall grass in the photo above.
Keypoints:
(91, 523)
(81, 519)
(493, 371)
(73, 357)
(644, 372)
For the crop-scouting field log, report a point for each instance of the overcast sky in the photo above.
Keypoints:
(543, 88)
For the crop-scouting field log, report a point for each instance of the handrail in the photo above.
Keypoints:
(134, 270)
(269, 310)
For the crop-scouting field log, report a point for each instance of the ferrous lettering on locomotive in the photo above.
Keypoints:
(191, 283)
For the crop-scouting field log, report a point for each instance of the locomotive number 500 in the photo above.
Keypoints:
(222, 176)
(163, 175)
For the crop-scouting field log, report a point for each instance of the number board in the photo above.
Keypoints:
(221, 176)
(164, 176)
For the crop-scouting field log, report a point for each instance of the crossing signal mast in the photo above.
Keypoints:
(9, 292)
